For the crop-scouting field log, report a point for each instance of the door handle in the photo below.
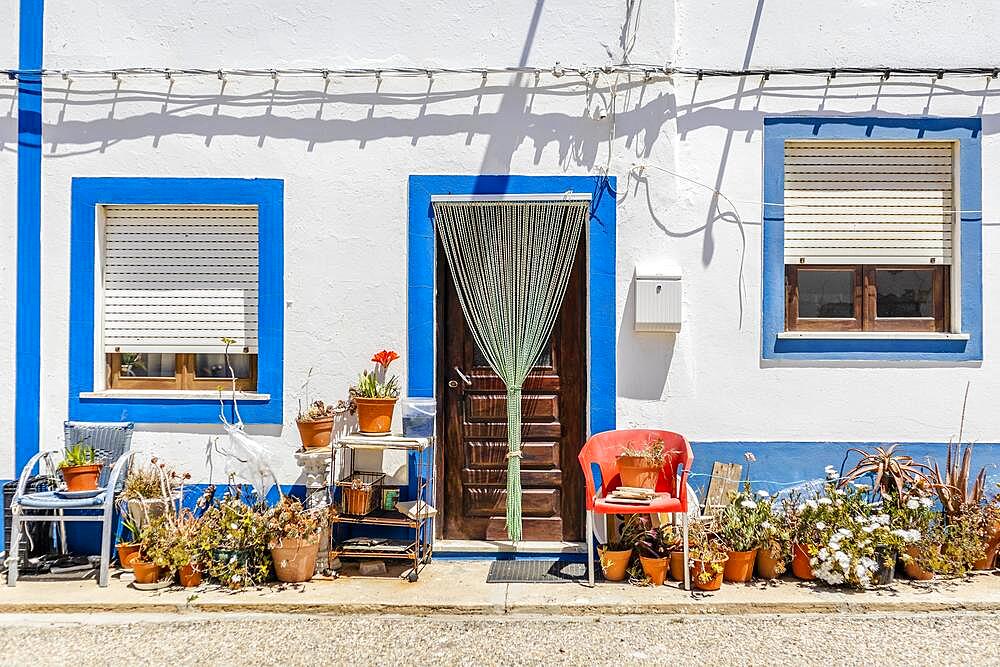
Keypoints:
(463, 376)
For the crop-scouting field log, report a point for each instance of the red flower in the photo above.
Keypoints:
(384, 358)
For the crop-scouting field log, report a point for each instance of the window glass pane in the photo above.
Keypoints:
(214, 365)
(904, 293)
(826, 293)
(147, 365)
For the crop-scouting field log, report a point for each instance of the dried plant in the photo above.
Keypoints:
(893, 475)
(952, 484)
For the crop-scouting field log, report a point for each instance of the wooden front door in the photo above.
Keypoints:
(473, 456)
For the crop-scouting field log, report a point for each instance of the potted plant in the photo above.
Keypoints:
(963, 501)
(616, 554)
(775, 539)
(375, 396)
(234, 535)
(149, 490)
(153, 539)
(640, 467)
(738, 527)
(293, 537)
(708, 563)
(919, 524)
(80, 468)
(176, 547)
(128, 549)
(654, 547)
(316, 423)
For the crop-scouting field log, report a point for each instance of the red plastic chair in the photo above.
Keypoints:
(599, 459)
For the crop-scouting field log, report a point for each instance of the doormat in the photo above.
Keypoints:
(538, 571)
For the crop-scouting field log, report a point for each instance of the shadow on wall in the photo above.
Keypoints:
(644, 359)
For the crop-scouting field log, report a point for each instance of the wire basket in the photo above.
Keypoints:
(360, 492)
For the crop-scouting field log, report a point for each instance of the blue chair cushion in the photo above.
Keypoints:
(50, 500)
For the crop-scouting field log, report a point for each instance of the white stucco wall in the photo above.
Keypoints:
(8, 232)
(345, 153)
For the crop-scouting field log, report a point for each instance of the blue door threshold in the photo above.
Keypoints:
(487, 550)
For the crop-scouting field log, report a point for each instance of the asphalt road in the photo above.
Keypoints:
(962, 638)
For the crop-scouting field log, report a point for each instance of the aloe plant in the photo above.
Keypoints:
(952, 484)
(78, 455)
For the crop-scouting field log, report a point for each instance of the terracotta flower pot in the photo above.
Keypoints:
(637, 472)
(82, 478)
(614, 564)
(189, 577)
(769, 567)
(991, 547)
(375, 414)
(739, 566)
(294, 560)
(315, 433)
(655, 569)
(800, 563)
(677, 565)
(146, 572)
(700, 566)
(127, 553)
(914, 571)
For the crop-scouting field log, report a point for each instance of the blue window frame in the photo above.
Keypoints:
(87, 194)
(965, 347)
(600, 276)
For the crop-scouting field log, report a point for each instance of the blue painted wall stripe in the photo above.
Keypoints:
(268, 196)
(29, 225)
(967, 132)
(601, 259)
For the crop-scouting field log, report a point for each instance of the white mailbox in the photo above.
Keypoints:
(657, 298)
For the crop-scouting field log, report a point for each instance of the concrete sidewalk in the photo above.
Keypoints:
(459, 587)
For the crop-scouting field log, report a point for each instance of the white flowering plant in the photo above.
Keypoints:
(855, 538)
(775, 530)
(738, 525)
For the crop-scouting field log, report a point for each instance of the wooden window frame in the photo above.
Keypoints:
(795, 323)
(184, 377)
(865, 301)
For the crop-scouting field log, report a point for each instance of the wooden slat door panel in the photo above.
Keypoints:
(473, 456)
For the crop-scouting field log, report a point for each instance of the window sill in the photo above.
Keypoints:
(870, 335)
(176, 394)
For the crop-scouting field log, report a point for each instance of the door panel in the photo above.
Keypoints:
(473, 455)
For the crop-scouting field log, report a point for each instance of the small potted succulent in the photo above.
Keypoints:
(154, 538)
(375, 395)
(776, 539)
(707, 562)
(640, 467)
(80, 468)
(293, 538)
(654, 547)
(317, 421)
(616, 555)
(176, 547)
(128, 549)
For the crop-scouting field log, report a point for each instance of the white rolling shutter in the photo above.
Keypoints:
(869, 202)
(179, 278)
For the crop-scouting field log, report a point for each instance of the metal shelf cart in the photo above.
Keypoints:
(420, 455)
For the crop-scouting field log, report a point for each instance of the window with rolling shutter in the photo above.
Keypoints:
(869, 234)
(177, 280)
(869, 202)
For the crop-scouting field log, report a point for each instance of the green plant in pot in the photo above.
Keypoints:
(738, 526)
(965, 503)
(920, 524)
(293, 538)
(617, 553)
(80, 467)
(375, 395)
(128, 544)
(177, 549)
(640, 466)
(775, 538)
(234, 534)
(707, 559)
(154, 539)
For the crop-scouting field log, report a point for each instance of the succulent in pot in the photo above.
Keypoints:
(128, 548)
(293, 538)
(654, 547)
(707, 562)
(738, 526)
(317, 421)
(177, 547)
(234, 535)
(616, 555)
(375, 395)
(80, 467)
